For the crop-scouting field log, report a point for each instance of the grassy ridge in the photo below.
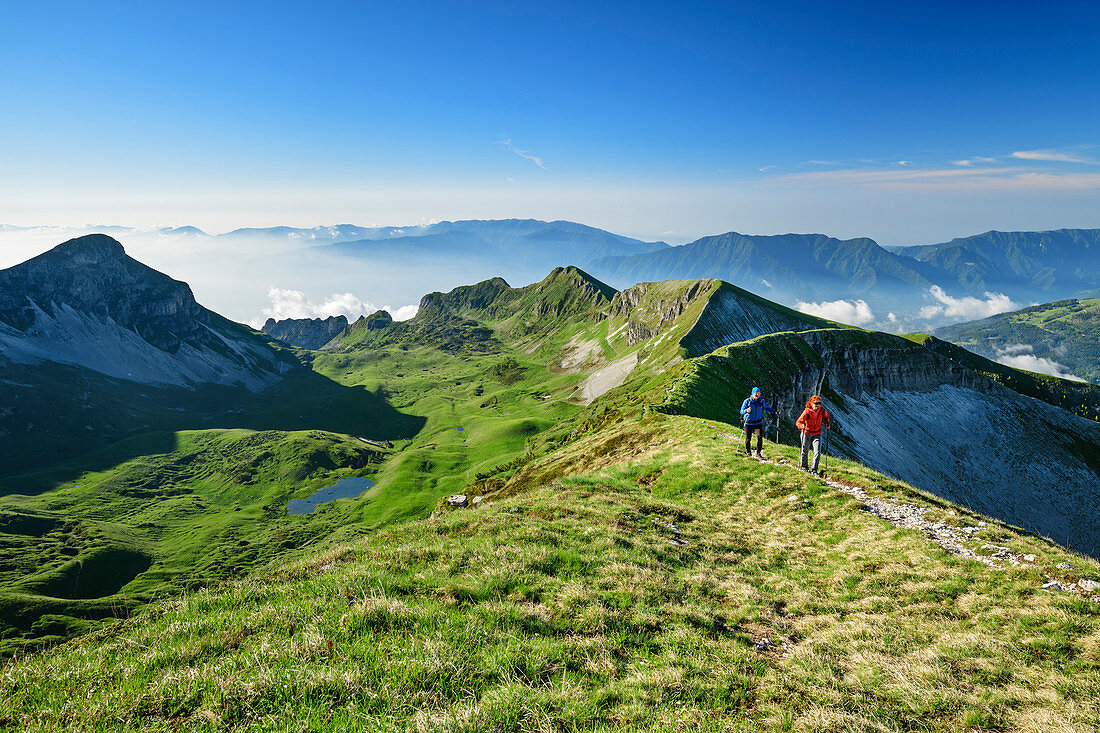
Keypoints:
(661, 582)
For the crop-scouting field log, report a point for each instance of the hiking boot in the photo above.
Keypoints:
(758, 455)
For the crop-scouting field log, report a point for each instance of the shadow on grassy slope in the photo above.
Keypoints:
(59, 412)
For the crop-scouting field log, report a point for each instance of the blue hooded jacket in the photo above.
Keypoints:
(752, 411)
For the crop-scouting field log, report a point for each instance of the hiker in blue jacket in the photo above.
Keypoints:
(752, 415)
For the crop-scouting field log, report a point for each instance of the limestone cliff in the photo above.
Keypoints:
(86, 303)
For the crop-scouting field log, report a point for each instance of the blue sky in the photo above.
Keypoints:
(906, 123)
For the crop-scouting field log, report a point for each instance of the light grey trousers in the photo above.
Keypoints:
(809, 441)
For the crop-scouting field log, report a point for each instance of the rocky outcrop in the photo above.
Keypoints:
(306, 333)
(647, 315)
(376, 321)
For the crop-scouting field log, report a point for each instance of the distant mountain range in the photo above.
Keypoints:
(815, 268)
(516, 249)
(788, 268)
(905, 288)
(1026, 265)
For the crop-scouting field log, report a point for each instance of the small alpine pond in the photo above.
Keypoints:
(344, 488)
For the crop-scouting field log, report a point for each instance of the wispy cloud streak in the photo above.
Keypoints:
(507, 145)
(956, 178)
(1065, 155)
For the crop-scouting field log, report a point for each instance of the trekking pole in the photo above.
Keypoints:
(826, 451)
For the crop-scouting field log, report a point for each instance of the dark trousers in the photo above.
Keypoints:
(759, 431)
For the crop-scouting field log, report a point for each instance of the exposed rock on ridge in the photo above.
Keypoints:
(306, 333)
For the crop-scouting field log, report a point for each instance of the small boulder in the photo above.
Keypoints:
(1064, 566)
(1090, 586)
(458, 500)
(1030, 558)
(477, 500)
(1053, 585)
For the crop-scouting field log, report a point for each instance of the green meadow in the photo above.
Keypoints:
(651, 579)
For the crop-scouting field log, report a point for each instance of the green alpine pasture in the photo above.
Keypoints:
(652, 579)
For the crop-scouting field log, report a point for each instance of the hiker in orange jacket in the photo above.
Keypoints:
(810, 422)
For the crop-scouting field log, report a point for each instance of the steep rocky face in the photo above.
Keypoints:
(907, 411)
(649, 307)
(733, 315)
(306, 333)
(93, 275)
(377, 321)
(85, 302)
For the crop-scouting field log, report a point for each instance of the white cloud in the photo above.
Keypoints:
(892, 317)
(965, 163)
(403, 313)
(767, 168)
(855, 313)
(507, 145)
(294, 304)
(1057, 156)
(1022, 356)
(967, 308)
(905, 162)
(765, 283)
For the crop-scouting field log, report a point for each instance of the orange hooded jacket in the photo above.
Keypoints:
(811, 421)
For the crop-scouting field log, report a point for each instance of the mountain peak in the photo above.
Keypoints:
(91, 248)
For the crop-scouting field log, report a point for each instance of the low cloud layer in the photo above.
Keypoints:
(967, 308)
(1022, 356)
(295, 304)
(852, 312)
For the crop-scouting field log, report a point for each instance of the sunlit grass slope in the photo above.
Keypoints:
(651, 579)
